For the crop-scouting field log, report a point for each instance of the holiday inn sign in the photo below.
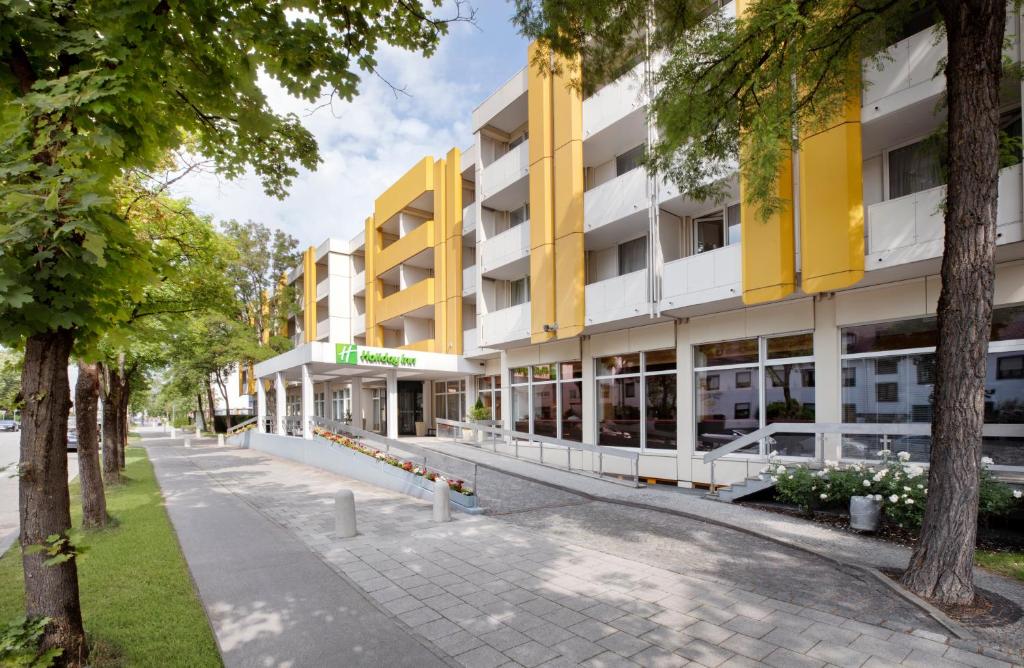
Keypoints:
(351, 354)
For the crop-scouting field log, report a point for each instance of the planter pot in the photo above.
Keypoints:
(865, 513)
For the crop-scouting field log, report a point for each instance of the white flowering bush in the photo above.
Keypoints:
(901, 487)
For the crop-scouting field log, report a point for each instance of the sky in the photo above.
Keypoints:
(366, 144)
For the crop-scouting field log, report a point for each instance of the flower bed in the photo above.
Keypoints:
(455, 485)
(901, 487)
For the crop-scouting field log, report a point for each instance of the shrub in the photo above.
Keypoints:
(19, 644)
(479, 412)
(901, 487)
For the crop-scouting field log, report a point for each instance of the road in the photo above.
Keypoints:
(9, 444)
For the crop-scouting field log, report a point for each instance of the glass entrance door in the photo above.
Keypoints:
(410, 407)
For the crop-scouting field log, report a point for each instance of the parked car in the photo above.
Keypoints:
(9, 425)
(72, 440)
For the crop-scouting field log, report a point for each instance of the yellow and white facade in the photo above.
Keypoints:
(544, 270)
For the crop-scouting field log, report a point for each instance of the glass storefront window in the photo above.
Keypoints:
(521, 408)
(743, 351)
(661, 412)
(789, 397)
(618, 412)
(520, 374)
(570, 370)
(879, 337)
(616, 365)
(660, 360)
(794, 345)
(544, 372)
(727, 406)
(489, 391)
(545, 410)
(548, 402)
(571, 396)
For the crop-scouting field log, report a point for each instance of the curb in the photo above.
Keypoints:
(954, 627)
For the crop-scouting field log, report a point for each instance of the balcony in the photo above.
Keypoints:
(469, 281)
(614, 102)
(469, 219)
(416, 296)
(911, 228)
(323, 329)
(702, 278)
(505, 255)
(621, 199)
(906, 73)
(359, 324)
(323, 288)
(498, 178)
(508, 326)
(359, 283)
(416, 241)
(617, 298)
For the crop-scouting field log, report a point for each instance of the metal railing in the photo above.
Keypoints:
(242, 426)
(818, 429)
(488, 432)
(408, 450)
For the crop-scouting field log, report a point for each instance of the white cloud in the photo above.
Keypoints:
(368, 143)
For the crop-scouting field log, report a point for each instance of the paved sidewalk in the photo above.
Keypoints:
(564, 584)
(272, 601)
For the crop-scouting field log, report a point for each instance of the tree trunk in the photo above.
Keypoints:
(941, 566)
(43, 497)
(124, 415)
(209, 403)
(111, 427)
(87, 392)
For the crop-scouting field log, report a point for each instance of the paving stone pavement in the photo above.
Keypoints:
(571, 582)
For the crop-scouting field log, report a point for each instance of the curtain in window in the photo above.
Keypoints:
(633, 256)
(914, 168)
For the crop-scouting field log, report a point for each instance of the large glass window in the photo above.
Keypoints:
(743, 385)
(449, 399)
(636, 400)
(519, 291)
(547, 400)
(319, 404)
(341, 404)
(488, 388)
(633, 256)
(708, 232)
(629, 160)
(915, 168)
(889, 377)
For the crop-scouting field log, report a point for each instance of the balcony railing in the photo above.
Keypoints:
(613, 200)
(468, 219)
(322, 288)
(506, 170)
(702, 278)
(617, 298)
(505, 248)
(505, 325)
(469, 281)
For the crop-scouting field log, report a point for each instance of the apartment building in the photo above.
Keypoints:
(582, 298)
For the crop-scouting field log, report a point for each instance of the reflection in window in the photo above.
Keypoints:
(618, 412)
(636, 400)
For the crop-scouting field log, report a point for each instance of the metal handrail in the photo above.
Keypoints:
(819, 428)
(509, 436)
(345, 428)
(241, 426)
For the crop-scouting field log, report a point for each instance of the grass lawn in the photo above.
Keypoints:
(138, 602)
(1008, 563)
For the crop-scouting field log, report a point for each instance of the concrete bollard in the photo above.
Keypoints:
(442, 513)
(344, 514)
(220, 440)
(172, 432)
(188, 442)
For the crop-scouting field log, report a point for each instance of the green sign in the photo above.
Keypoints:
(350, 354)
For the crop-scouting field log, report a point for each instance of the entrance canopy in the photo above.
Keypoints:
(338, 361)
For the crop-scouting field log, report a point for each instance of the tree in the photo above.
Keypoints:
(87, 393)
(779, 72)
(10, 381)
(89, 90)
(264, 257)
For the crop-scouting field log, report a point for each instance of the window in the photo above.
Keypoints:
(733, 214)
(488, 389)
(1010, 367)
(850, 377)
(449, 399)
(633, 256)
(516, 141)
(629, 160)
(730, 378)
(896, 363)
(519, 291)
(547, 400)
(636, 400)
(708, 232)
(318, 404)
(341, 404)
(915, 168)
(887, 392)
(519, 216)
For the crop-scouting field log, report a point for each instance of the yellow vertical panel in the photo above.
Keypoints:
(569, 307)
(453, 193)
(542, 293)
(832, 207)
(542, 224)
(767, 245)
(309, 293)
(567, 103)
(568, 195)
(454, 324)
(453, 251)
(442, 263)
(538, 97)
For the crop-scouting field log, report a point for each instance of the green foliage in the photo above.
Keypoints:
(135, 584)
(10, 380)
(57, 549)
(89, 91)
(901, 488)
(779, 72)
(479, 412)
(19, 644)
